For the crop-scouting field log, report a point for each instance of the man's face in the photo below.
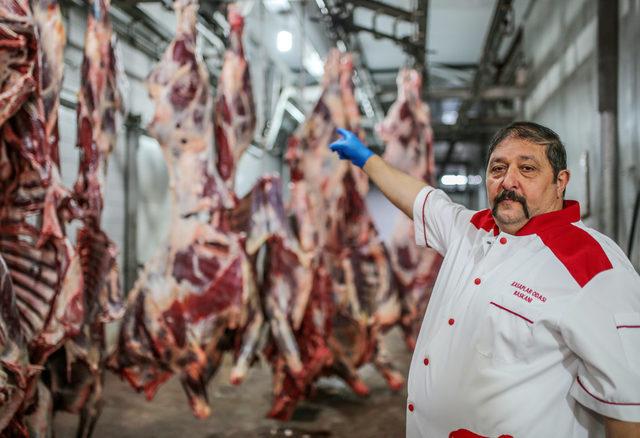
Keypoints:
(520, 183)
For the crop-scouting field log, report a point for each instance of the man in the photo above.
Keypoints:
(533, 328)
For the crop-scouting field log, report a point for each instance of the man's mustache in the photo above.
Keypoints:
(510, 195)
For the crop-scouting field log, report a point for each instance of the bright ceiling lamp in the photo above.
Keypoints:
(284, 41)
(453, 180)
(461, 180)
(277, 6)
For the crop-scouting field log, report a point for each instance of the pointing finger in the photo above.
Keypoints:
(345, 133)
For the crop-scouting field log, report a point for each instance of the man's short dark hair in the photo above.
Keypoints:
(537, 134)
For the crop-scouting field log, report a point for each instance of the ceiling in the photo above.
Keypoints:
(384, 40)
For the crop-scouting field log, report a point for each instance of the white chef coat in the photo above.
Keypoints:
(523, 331)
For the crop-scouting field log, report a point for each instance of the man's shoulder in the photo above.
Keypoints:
(614, 253)
(587, 253)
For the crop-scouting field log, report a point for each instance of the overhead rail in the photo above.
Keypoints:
(502, 24)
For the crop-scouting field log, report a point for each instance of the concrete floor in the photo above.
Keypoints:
(239, 411)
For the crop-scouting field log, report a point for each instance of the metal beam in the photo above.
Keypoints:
(448, 156)
(422, 16)
(500, 26)
(366, 82)
(384, 8)
(474, 126)
(131, 195)
(127, 31)
(415, 45)
(497, 92)
(153, 26)
(337, 27)
(489, 93)
(406, 42)
(449, 66)
(607, 38)
(513, 59)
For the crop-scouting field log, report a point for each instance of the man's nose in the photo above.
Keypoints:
(510, 180)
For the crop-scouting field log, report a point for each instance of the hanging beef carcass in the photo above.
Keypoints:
(14, 362)
(43, 266)
(44, 269)
(360, 257)
(407, 129)
(366, 303)
(409, 146)
(295, 291)
(76, 371)
(235, 117)
(199, 287)
(29, 177)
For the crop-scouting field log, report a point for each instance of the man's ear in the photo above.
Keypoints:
(562, 181)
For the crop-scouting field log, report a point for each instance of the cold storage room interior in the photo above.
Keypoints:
(185, 252)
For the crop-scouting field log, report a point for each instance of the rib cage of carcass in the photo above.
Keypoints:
(14, 361)
(196, 297)
(366, 304)
(77, 370)
(44, 268)
(408, 136)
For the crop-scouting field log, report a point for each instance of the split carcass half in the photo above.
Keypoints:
(76, 371)
(366, 301)
(235, 116)
(409, 138)
(43, 266)
(197, 296)
(47, 281)
(14, 362)
(295, 292)
(29, 177)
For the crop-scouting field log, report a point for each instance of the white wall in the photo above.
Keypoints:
(629, 118)
(560, 45)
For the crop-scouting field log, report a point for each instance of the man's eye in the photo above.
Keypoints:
(496, 169)
(528, 168)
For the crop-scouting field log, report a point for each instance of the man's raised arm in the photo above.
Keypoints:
(401, 189)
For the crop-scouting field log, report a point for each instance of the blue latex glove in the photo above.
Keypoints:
(349, 147)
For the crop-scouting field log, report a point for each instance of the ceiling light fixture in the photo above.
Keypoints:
(284, 41)
(450, 117)
(453, 180)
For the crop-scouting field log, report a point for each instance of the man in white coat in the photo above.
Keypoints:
(533, 328)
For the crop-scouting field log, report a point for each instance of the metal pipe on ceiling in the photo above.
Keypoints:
(422, 17)
(385, 8)
(501, 26)
(341, 38)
